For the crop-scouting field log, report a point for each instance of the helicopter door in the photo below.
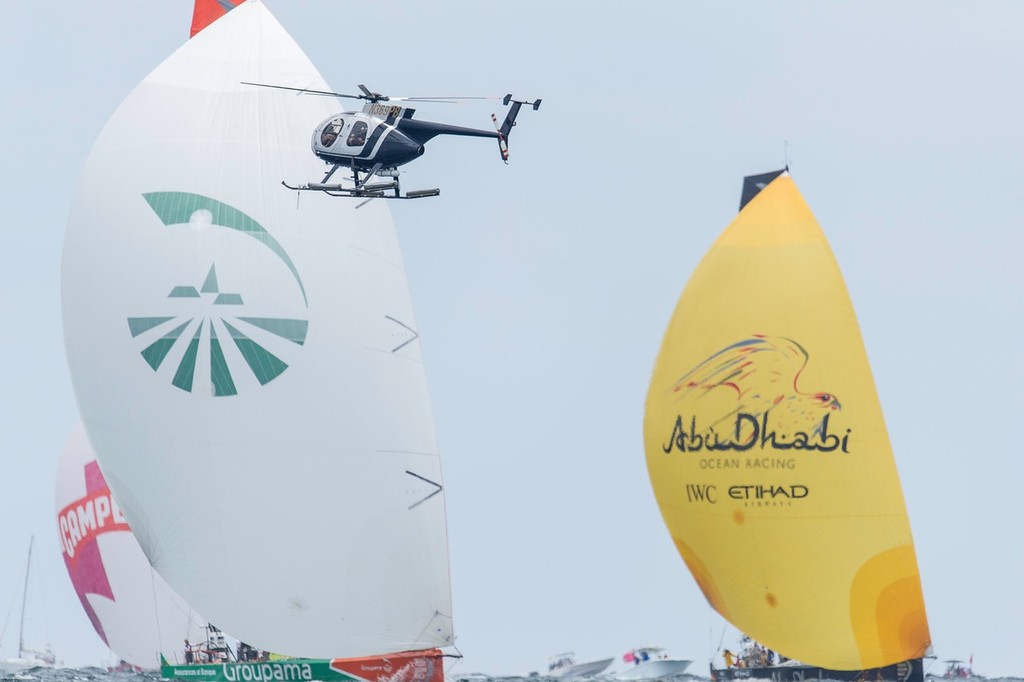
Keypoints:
(356, 138)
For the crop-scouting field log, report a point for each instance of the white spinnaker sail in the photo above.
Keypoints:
(246, 363)
(134, 611)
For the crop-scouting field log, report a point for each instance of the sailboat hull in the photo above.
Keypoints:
(905, 671)
(579, 670)
(13, 666)
(411, 666)
(655, 669)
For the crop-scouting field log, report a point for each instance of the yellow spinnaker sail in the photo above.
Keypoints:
(768, 453)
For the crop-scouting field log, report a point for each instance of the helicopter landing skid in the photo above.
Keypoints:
(362, 188)
(372, 190)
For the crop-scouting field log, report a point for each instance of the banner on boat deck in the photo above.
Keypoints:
(414, 666)
(263, 671)
(768, 453)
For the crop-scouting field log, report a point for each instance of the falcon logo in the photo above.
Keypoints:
(192, 339)
(746, 397)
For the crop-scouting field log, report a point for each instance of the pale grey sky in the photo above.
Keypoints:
(542, 288)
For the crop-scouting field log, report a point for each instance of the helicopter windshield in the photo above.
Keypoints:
(330, 133)
(357, 136)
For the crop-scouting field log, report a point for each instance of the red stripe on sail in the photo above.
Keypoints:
(208, 11)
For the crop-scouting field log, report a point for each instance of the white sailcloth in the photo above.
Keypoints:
(133, 610)
(247, 365)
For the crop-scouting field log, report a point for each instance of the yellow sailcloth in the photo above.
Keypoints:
(768, 453)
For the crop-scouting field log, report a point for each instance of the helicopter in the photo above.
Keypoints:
(382, 137)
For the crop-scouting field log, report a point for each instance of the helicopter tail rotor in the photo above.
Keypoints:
(505, 129)
(502, 140)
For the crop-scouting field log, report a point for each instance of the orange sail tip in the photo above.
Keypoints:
(208, 11)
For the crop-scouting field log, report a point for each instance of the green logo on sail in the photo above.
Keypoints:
(201, 335)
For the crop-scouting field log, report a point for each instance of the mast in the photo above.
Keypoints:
(24, 598)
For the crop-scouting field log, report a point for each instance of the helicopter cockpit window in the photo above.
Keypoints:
(330, 133)
(357, 136)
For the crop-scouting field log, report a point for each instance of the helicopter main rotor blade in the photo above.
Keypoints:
(442, 100)
(305, 91)
(451, 99)
(368, 95)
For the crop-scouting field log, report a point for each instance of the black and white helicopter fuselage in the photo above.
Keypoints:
(382, 137)
(381, 134)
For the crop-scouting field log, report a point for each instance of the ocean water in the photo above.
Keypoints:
(76, 675)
